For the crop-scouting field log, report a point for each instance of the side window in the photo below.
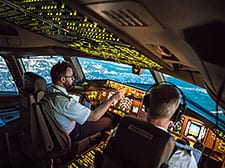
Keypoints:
(194, 93)
(41, 65)
(7, 83)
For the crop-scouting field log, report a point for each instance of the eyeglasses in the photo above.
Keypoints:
(72, 76)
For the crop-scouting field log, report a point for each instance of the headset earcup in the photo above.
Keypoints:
(146, 101)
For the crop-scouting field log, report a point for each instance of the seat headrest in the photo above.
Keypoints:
(34, 83)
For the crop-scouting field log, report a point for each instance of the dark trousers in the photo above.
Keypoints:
(90, 127)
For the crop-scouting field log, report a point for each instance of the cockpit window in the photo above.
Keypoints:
(7, 83)
(195, 93)
(41, 65)
(103, 70)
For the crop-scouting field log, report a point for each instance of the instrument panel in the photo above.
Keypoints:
(130, 104)
(187, 127)
(194, 131)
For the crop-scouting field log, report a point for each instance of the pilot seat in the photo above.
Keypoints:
(137, 144)
(49, 145)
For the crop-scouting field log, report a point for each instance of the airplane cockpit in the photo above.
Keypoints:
(111, 45)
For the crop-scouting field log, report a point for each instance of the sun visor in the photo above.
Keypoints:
(208, 41)
(8, 36)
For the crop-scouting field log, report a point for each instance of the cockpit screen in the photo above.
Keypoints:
(125, 104)
(135, 109)
(195, 131)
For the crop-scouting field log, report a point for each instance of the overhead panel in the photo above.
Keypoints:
(130, 17)
(57, 21)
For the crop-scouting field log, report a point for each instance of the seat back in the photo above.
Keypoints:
(34, 88)
(32, 91)
(54, 136)
(47, 137)
(138, 144)
(44, 129)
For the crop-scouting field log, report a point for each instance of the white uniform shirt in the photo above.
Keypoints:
(68, 110)
(181, 158)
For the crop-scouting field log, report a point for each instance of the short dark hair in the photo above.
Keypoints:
(58, 70)
(162, 101)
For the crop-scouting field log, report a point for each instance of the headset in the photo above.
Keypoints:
(182, 106)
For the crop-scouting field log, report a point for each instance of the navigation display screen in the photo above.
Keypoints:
(135, 109)
(195, 131)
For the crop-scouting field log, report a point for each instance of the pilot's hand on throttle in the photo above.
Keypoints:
(119, 95)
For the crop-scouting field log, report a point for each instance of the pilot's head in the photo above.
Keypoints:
(161, 102)
(62, 74)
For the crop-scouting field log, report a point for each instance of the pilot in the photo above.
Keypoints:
(160, 105)
(78, 120)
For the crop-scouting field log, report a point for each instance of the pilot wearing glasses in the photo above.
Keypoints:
(77, 120)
